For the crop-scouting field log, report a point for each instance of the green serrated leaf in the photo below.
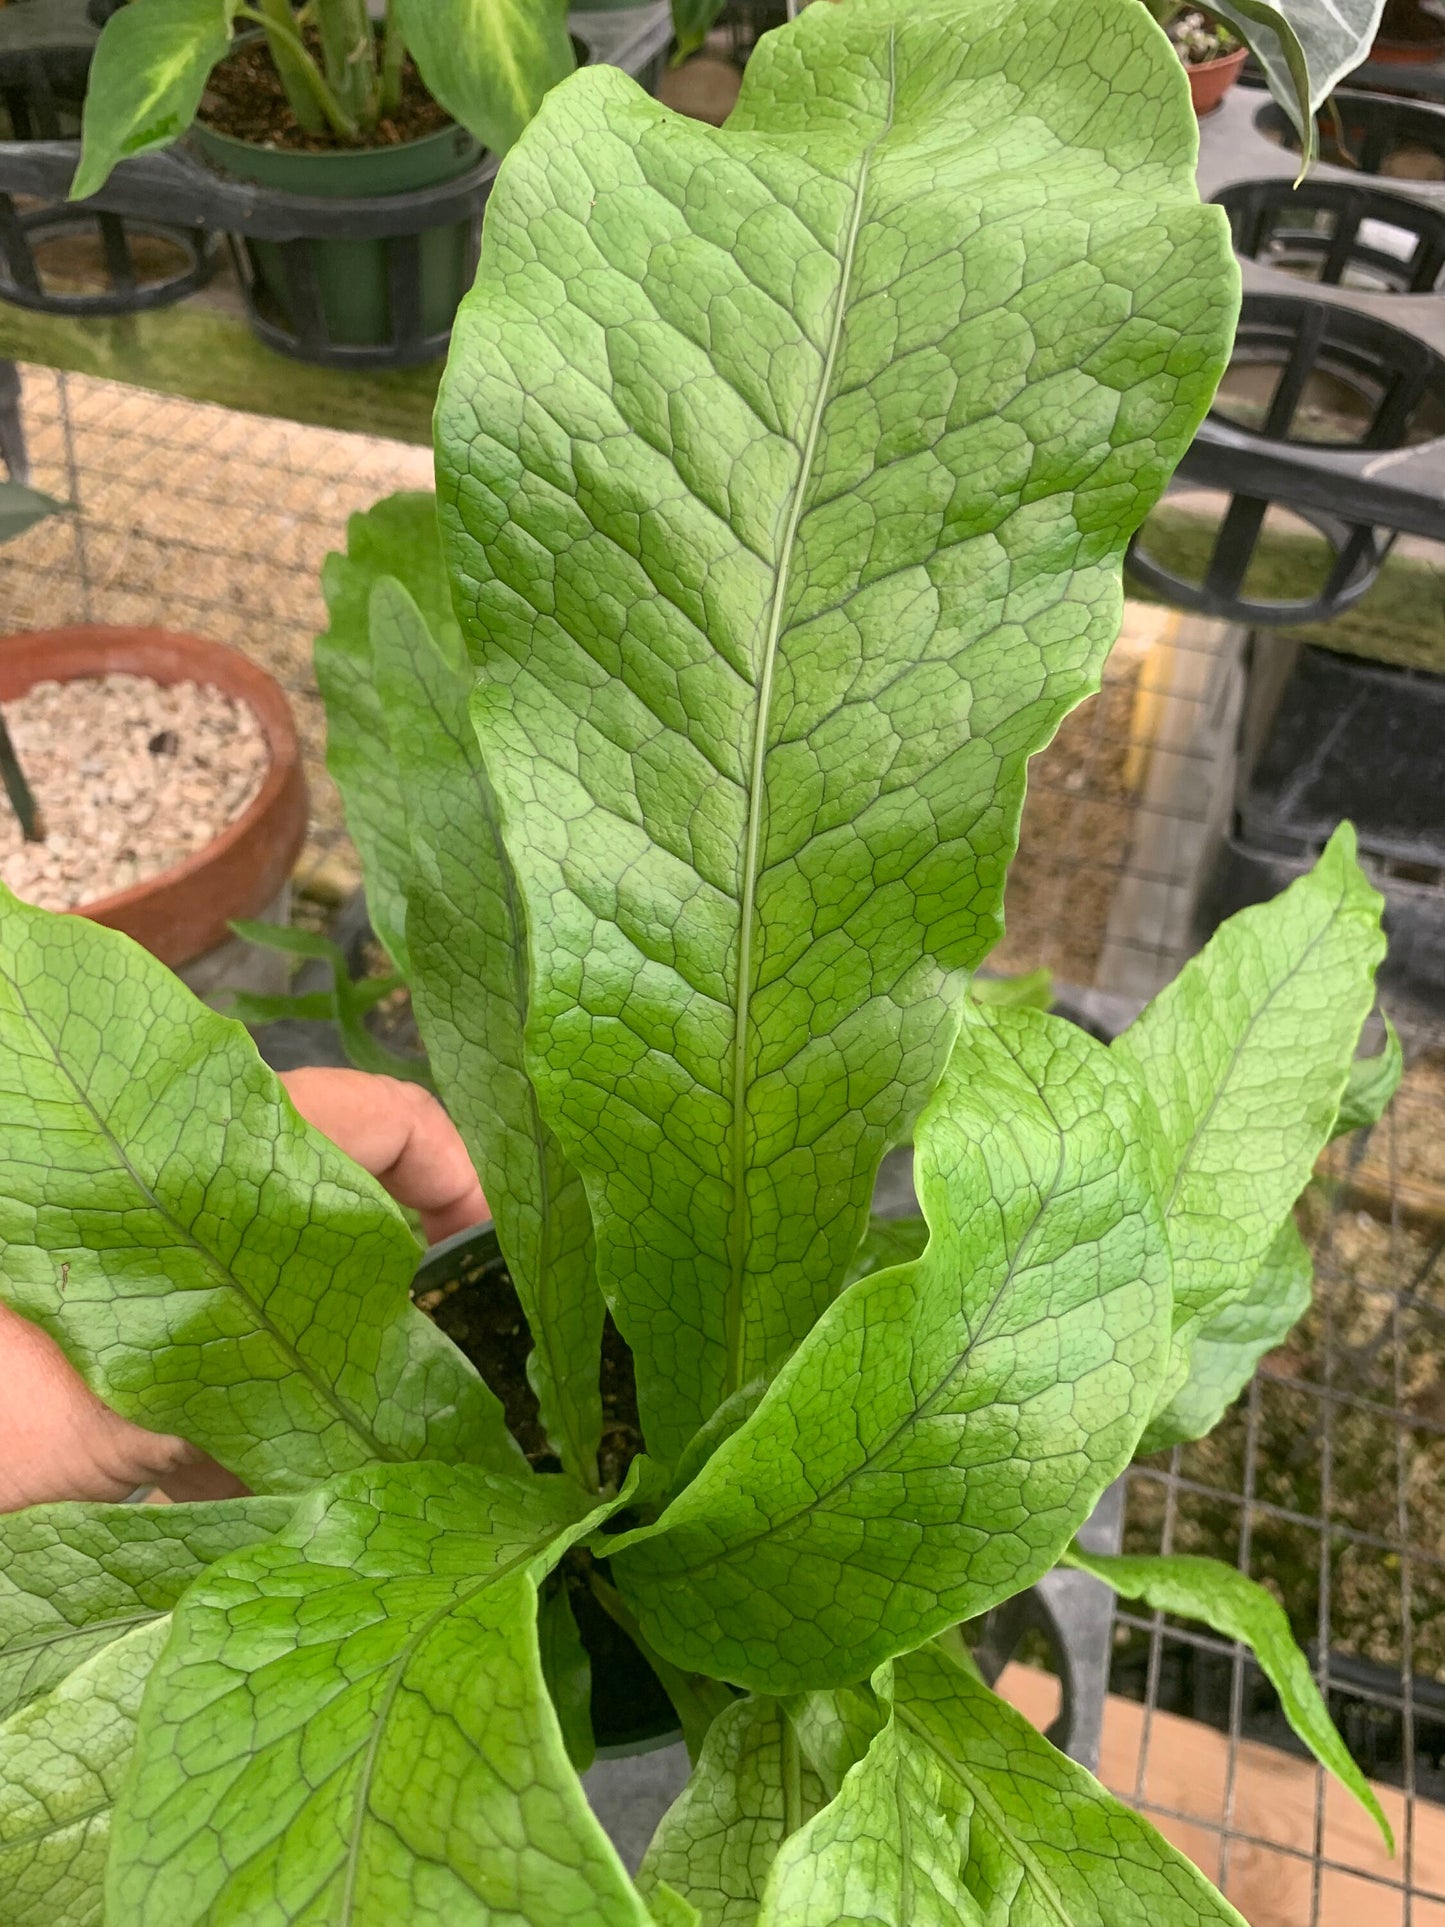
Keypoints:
(992, 1389)
(398, 537)
(489, 62)
(889, 1241)
(751, 1788)
(467, 941)
(1237, 1607)
(1371, 1084)
(1229, 1345)
(73, 1578)
(1246, 1055)
(213, 1266)
(62, 1760)
(147, 75)
(1040, 1842)
(350, 1725)
(887, 1851)
(1032, 990)
(785, 506)
(568, 1673)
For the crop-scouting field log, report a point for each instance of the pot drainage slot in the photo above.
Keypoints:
(1321, 376)
(1338, 234)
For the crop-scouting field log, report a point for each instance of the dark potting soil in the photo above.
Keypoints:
(245, 99)
(482, 1315)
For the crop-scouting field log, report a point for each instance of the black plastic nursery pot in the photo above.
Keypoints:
(356, 291)
(56, 256)
(1336, 737)
(463, 1284)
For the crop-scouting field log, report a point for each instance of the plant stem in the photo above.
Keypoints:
(302, 65)
(349, 50)
(393, 60)
(299, 96)
(22, 798)
(792, 1762)
(696, 1699)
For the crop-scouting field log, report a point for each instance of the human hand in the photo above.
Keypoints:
(59, 1441)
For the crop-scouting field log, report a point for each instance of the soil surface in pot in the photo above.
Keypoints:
(130, 777)
(245, 99)
(482, 1315)
(1198, 38)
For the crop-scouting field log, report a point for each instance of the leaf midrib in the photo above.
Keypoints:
(979, 1793)
(186, 1236)
(738, 1218)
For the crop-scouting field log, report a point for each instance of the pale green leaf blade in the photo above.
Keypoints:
(888, 1851)
(22, 507)
(669, 1909)
(1044, 1844)
(467, 941)
(489, 62)
(1033, 989)
(889, 1241)
(75, 1577)
(1371, 1084)
(993, 1388)
(1238, 1607)
(398, 537)
(1229, 1345)
(213, 1266)
(785, 511)
(61, 1764)
(750, 1789)
(1246, 1056)
(568, 1673)
(1305, 47)
(147, 75)
(350, 1725)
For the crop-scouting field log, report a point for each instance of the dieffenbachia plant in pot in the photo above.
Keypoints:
(785, 475)
(487, 62)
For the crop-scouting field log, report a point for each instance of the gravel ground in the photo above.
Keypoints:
(130, 776)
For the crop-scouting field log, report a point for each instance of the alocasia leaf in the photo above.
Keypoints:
(488, 62)
(1305, 47)
(785, 471)
(73, 1578)
(1238, 1607)
(398, 537)
(1038, 1841)
(1229, 1345)
(749, 1791)
(1246, 1055)
(147, 75)
(991, 1389)
(212, 1265)
(61, 1763)
(888, 1851)
(1372, 1082)
(350, 1725)
(466, 937)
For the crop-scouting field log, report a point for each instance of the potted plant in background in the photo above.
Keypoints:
(1213, 56)
(785, 478)
(330, 104)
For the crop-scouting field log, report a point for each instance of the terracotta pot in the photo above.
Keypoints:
(184, 912)
(1211, 80)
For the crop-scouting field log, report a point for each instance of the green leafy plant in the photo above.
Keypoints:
(785, 474)
(487, 62)
(1305, 47)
